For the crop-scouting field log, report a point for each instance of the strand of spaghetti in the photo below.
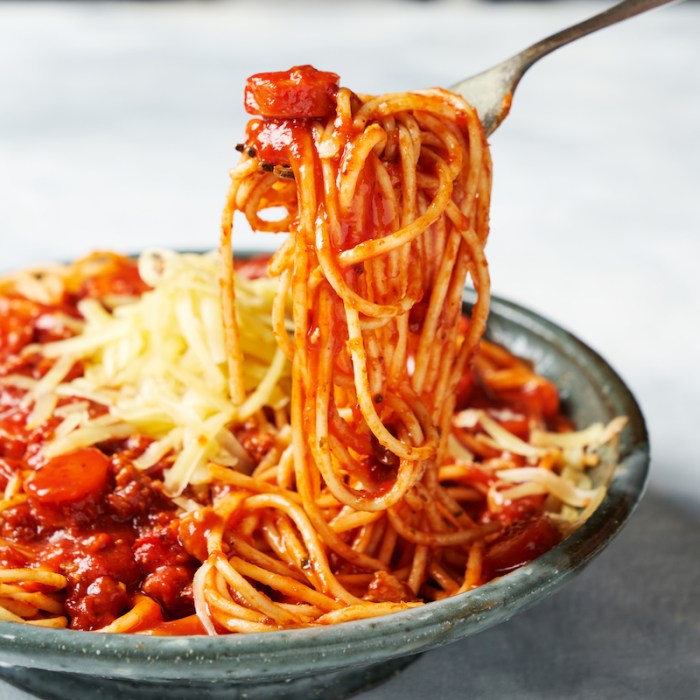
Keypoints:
(463, 494)
(279, 314)
(440, 539)
(303, 166)
(472, 575)
(378, 528)
(442, 578)
(255, 485)
(282, 259)
(413, 413)
(375, 360)
(311, 612)
(432, 515)
(231, 615)
(19, 608)
(221, 603)
(45, 578)
(58, 622)
(246, 170)
(234, 352)
(50, 622)
(435, 101)
(363, 538)
(317, 557)
(285, 469)
(36, 599)
(403, 450)
(480, 309)
(294, 549)
(334, 274)
(263, 185)
(408, 472)
(351, 519)
(281, 536)
(442, 135)
(363, 611)
(456, 512)
(353, 161)
(284, 584)
(251, 597)
(388, 544)
(391, 279)
(223, 509)
(435, 312)
(254, 556)
(341, 431)
(305, 488)
(379, 246)
(146, 611)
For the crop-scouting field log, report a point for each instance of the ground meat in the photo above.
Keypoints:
(19, 524)
(134, 493)
(169, 570)
(92, 605)
(98, 580)
(255, 441)
(171, 586)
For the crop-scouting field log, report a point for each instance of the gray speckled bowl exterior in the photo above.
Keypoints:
(335, 661)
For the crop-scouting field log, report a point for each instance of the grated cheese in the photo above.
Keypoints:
(159, 364)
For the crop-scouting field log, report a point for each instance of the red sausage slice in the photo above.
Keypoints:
(301, 92)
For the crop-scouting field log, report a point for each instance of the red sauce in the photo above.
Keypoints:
(186, 625)
(23, 321)
(17, 317)
(252, 268)
(520, 543)
(117, 276)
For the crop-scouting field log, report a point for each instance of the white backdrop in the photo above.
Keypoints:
(118, 124)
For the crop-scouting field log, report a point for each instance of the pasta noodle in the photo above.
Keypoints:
(319, 437)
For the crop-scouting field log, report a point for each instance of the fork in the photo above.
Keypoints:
(491, 92)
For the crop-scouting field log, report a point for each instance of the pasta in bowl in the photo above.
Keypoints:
(318, 657)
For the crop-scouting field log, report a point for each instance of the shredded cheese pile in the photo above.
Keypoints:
(557, 464)
(159, 364)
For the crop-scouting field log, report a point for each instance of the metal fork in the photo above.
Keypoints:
(491, 92)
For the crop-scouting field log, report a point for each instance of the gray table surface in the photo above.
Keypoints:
(117, 126)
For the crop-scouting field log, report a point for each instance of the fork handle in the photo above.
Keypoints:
(617, 13)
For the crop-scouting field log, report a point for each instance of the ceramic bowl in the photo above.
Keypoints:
(333, 662)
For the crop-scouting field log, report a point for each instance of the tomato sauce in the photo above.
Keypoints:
(522, 542)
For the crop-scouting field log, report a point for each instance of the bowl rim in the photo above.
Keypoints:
(274, 655)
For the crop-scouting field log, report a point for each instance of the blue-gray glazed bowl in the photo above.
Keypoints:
(334, 662)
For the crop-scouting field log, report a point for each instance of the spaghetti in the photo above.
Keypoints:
(193, 446)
